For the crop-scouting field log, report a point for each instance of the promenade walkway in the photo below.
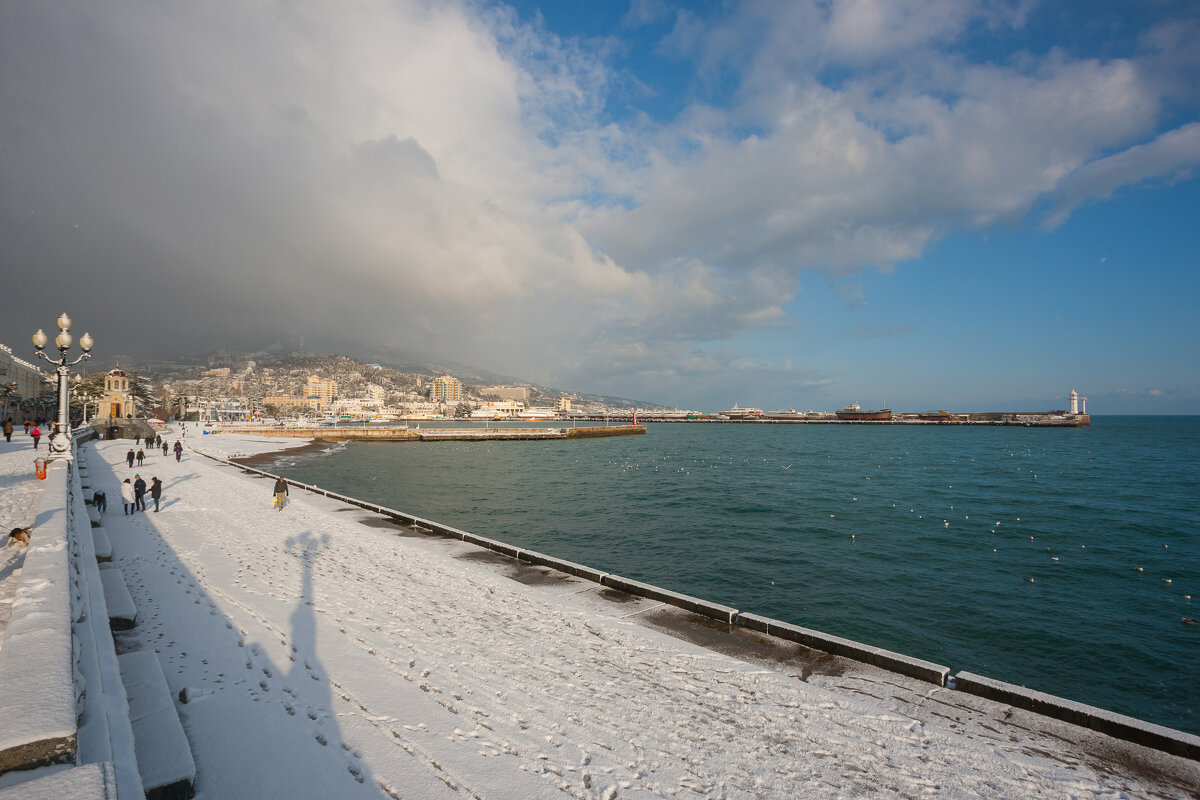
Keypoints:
(323, 651)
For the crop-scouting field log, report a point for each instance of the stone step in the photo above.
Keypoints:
(163, 754)
(122, 613)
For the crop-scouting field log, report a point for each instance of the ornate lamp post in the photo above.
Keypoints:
(60, 441)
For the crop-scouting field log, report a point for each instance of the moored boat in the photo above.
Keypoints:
(854, 412)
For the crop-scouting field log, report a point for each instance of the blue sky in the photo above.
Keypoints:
(922, 204)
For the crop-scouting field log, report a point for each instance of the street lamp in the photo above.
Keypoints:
(60, 440)
(87, 396)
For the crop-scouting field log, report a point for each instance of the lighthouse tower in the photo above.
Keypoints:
(1074, 397)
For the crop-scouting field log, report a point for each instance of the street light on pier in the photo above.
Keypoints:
(60, 440)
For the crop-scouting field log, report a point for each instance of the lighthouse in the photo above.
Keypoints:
(1074, 406)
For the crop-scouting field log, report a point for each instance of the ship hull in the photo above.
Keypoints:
(866, 416)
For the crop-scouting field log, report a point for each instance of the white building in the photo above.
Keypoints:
(21, 380)
(498, 409)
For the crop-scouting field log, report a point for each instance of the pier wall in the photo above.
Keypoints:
(1101, 720)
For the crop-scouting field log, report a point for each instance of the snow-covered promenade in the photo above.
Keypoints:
(324, 651)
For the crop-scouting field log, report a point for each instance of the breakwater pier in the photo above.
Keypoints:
(1024, 419)
(364, 433)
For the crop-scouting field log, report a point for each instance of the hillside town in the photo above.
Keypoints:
(294, 388)
(326, 389)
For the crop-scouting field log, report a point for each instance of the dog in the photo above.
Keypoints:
(18, 535)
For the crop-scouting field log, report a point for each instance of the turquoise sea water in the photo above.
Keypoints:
(918, 539)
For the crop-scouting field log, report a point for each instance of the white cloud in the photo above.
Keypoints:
(1171, 155)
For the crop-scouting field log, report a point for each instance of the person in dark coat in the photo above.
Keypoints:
(281, 493)
(164, 447)
(140, 456)
(100, 500)
(155, 491)
(139, 493)
(129, 458)
(178, 450)
(8, 429)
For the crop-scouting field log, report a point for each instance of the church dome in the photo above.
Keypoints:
(118, 373)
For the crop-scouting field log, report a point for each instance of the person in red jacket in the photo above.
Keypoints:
(36, 433)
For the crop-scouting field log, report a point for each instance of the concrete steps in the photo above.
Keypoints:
(164, 756)
(122, 613)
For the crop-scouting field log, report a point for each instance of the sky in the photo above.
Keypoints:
(917, 204)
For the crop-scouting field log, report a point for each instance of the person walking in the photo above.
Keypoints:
(155, 492)
(140, 456)
(281, 493)
(127, 496)
(164, 447)
(100, 500)
(158, 439)
(26, 427)
(137, 438)
(178, 450)
(139, 493)
(36, 433)
(8, 429)
(129, 458)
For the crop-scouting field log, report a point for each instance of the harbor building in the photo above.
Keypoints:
(447, 389)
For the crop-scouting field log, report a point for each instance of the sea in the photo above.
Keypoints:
(1066, 560)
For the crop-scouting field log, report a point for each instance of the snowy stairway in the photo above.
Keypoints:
(122, 613)
(164, 756)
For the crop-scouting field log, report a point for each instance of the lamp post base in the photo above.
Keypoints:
(59, 447)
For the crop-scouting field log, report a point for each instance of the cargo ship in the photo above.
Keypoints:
(853, 412)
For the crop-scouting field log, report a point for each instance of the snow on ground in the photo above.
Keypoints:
(20, 496)
(325, 652)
